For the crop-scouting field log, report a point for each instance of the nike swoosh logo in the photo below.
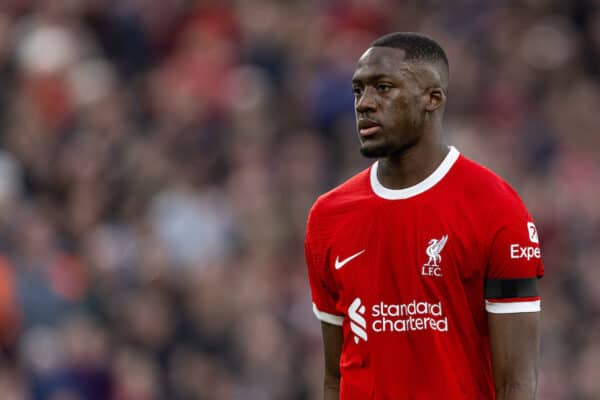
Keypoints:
(339, 264)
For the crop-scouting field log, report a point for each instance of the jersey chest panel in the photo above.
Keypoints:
(395, 254)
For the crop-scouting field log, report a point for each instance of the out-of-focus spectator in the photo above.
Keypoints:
(158, 160)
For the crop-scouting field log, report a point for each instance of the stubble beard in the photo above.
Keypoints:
(375, 152)
(388, 149)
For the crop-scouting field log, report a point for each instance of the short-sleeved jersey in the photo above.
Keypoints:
(410, 275)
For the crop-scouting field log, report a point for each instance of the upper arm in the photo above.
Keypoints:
(332, 345)
(512, 299)
(324, 291)
(515, 259)
(514, 346)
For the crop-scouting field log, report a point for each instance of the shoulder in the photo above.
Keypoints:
(493, 200)
(484, 185)
(342, 199)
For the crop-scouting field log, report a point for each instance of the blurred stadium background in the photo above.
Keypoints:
(158, 159)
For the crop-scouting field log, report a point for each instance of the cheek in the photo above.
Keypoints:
(399, 106)
(405, 110)
(415, 107)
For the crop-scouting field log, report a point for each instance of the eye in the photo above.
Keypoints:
(357, 90)
(383, 87)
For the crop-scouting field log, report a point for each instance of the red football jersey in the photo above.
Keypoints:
(410, 274)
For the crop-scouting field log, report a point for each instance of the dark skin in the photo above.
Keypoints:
(399, 108)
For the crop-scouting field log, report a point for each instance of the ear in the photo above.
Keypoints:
(435, 97)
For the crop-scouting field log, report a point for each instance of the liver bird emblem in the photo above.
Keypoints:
(434, 249)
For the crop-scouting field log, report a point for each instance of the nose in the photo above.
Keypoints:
(366, 102)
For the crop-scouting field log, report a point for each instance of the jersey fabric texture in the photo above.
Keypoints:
(411, 274)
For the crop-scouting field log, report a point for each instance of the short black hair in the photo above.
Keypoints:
(416, 46)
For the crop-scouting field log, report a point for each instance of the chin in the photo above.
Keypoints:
(374, 151)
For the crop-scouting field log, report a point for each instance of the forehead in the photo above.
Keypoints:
(387, 61)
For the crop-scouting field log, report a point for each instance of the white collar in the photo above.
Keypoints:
(424, 185)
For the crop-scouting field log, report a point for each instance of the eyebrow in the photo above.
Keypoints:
(371, 78)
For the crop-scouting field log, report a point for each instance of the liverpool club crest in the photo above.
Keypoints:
(434, 250)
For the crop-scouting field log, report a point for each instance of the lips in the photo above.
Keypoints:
(368, 127)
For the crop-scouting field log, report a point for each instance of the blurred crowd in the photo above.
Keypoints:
(158, 160)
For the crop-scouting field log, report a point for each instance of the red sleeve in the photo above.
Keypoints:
(323, 288)
(515, 261)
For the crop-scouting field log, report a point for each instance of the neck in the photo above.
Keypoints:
(411, 166)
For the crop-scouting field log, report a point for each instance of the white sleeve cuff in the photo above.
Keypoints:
(513, 307)
(329, 318)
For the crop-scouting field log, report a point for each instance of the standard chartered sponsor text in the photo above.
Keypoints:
(407, 317)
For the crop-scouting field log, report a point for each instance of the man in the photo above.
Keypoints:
(423, 267)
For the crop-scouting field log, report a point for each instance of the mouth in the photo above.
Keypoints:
(368, 127)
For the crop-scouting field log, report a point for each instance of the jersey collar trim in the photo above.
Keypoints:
(423, 186)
